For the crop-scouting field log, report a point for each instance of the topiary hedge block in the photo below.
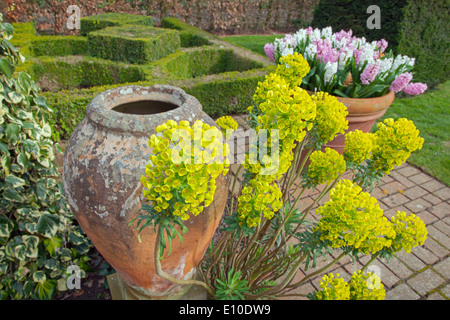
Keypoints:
(53, 74)
(133, 44)
(212, 60)
(59, 46)
(228, 93)
(190, 36)
(101, 21)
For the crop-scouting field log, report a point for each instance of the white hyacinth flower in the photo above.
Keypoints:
(327, 32)
(310, 51)
(314, 35)
(385, 65)
(366, 56)
(330, 71)
(287, 50)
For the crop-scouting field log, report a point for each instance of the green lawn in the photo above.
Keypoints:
(430, 112)
(253, 42)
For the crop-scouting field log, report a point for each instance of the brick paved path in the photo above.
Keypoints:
(425, 272)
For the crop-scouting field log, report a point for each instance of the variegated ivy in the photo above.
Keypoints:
(38, 239)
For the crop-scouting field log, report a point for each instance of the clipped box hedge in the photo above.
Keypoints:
(56, 73)
(59, 46)
(190, 36)
(133, 44)
(209, 60)
(101, 21)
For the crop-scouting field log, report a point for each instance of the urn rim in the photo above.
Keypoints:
(100, 108)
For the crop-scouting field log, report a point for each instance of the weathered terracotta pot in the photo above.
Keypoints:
(362, 114)
(103, 163)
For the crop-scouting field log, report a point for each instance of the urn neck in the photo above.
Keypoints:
(141, 109)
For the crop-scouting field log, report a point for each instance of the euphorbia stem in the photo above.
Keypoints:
(168, 277)
(374, 256)
(293, 286)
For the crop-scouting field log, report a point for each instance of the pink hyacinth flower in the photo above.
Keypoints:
(414, 89)
(269, 50)
(309, 30)
(343, 34)
(357, 54)
(382, 45)
(401, 82)
(369, 73)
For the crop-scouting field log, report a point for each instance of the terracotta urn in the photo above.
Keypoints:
(103, 162)
(362, 114)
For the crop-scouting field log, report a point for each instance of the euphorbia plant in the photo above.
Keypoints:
(265, 238)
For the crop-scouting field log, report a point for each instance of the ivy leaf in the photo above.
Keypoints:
(11, 194)
(3, 148)
(24, 81)
(47, 225)
(20, 252)
(6, 67)
(14, 97)
(46, 130)
(22, 160)
(6, 163)
(52, 244)
(52, 264)
(39, 277)
(31, 245)
(44, 290)
(14, 181)
(12, 133)
(5, 227)
(28, 288)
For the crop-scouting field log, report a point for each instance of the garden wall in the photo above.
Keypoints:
(218, 16)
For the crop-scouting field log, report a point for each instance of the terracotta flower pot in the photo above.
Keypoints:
(103, 163)
(362, 114)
